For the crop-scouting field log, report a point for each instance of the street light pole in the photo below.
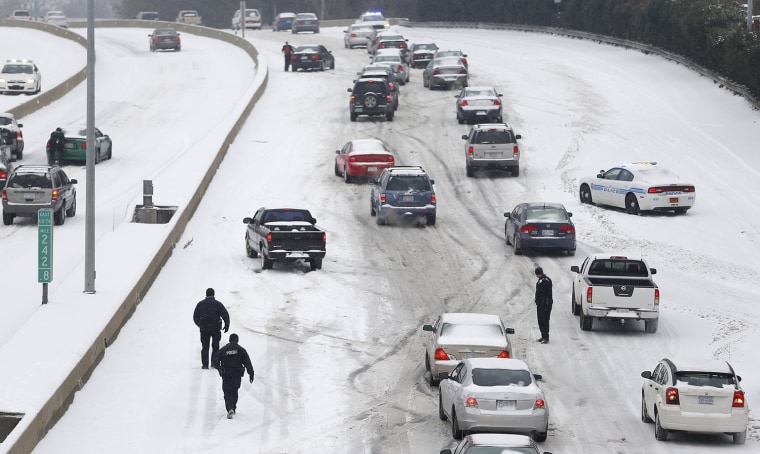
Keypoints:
(89, 220)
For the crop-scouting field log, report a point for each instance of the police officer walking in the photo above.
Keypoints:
(287, 50)
(208, 316)
(232, 362)
(543, 304)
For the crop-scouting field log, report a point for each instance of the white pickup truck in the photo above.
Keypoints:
(615, 286)
(189, 16)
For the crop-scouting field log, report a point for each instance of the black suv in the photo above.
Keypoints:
(31, 188)
(383, 72)
(403, 193)
(371, 97)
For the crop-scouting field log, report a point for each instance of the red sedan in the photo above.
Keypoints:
(362, 158)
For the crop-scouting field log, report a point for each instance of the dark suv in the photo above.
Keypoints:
(31, 188)
(383, 72)
(371, 97)
(403, 193)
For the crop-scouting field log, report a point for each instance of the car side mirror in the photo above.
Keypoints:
(428, 328)
(349, 90)
(443, 376)
(337, 151)
(246, 220)
(569, 214)
(538, 377)
(510, 330)
(506, 215)
(518, 136)
(499, 95)
(575, 269)
(646, 374)
(432, 182)
(313, 221)
(20, 125)
(465, 137)
(739, 377)
(653, 270)
(74, 181)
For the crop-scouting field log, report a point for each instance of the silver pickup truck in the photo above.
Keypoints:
(615, 286)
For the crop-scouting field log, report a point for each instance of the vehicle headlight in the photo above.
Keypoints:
(31, 81)
(2, 81)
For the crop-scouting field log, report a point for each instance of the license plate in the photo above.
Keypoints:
(357, 109)
(482, 112)
(547, 232)
(68, 145)
(706, 400)
(29, 196)
(493, 154)
(407, 198)
(304, 57)
(371, 169)
(505, 404)
(470, 355)
(674, 200)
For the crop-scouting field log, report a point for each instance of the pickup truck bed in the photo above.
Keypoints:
(285, 235)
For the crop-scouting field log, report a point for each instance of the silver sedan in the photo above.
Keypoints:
(356, 35)
(445, 71)
(393, 58)
(493, 395)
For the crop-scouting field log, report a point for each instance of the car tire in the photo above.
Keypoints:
(353, 116)
(427, 363)
(59, 217)
(110, 151)
(456, 432)
(97, 156)
(740, 437)
(321, 66)
(315, 264)
(389, 116)
(441, 414)
(516, 171)
(249, 251)
(631, 204)
(50, 160)
(460, 120)
(7, 218)
(332, 64)
(644, 415)
(381, 221)
(346, 177)
(372, 211)
(506, 237)
(425, 82)
(576, 308)
(518, 249)
(470, 171)
(570, 252)
(430, 220)
(337, 171)
(266, 262)
(681, 210)
(585, 195)
(541, 436)
(500, 120)
(660, 433)
(586, 322)
(72, 211)
(650, 326)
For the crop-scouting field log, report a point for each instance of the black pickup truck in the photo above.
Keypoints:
(284, 234)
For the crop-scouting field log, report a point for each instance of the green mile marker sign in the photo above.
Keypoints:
(45, 246)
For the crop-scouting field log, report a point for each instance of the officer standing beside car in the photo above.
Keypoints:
(287, 50)
(208, 317)
(543, 304)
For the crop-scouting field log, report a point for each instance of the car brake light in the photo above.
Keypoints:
(382, 198)
(738, 399)
(496, 102)
(540, 403)
(470, 151)
(436, 72)
(464, 104)
(3, 175)
(84, 145)
(441, 355)
(531, 229)
(352, 159)
(516, 150)
(19, 135)
(589, 295)
(315, 57)
(661, 189)
(155, 39)
(432, 198)
(656, 297)
(390, 159)
(324, 237)
(671, 396)
(353, 98)
(5, 196)
(269, 237)
(503, 354)
(462, 71)
(464, 61)
(471, 402)
(567, 229)
(55, 194)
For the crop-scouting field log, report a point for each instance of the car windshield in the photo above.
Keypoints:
(478, 92)
(374, 86)
(165, 31)
(448, 61)
(252, 13)
(307, 49)
(5, 121)
(373, 17)
(29, 180)
(658, 174)
(426, 47)
(471, 330)
(408, 183)
(54, 13)
(715, 379)
(492, 136)
(618, 267)
(545, 214)
(500, 450)
(500, 377)
(306, 16)
(18, 69)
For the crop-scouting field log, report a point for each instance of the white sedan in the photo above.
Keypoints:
(638, 186)
(493, 395)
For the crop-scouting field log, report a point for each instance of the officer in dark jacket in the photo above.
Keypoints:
(543, 304)
(232, 362)
(56, 145)
(208, 316)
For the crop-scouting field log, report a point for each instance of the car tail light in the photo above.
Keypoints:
(671, 396)
(589, 295)
(3, 174)
(176, 38)
(315, 57)
(48, 144)
(352, 159)
(354, 35)
(436, 72)
(503, 354)
(462, 71)
(516, 150)
(381, 46)
(656, 297)
(441, 355)
(19, 135)
(400, 68)
(403, 45)
(155, 39)
(382, 200)
(471, 402)
(531, 229)
(390, 160)
(470, 150)
(496, 102)
(464, 104)
(324, 237)
(738, 399)
(464, 61)
(540, 403)
(661, 189)
(568, 229)
(432, 198)
(269, 237)
(353, 99)
(54, 194)
(5, 196)
(84, 145)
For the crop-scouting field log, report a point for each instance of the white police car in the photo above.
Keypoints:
(20, 76)
(638, 186)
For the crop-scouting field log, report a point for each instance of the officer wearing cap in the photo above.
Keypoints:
(208, 316)
(232, 362)
(543, 304)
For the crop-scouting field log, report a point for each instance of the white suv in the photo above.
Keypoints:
(700, 395)
(492, 146)
(20, 76)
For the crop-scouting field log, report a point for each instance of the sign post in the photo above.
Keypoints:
(44, 250)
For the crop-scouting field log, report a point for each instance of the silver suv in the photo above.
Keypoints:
(11, 135)
(31, 188)
(492, 146)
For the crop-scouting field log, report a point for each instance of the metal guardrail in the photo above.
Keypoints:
(722, 81)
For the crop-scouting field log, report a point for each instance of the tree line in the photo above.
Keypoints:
(712, 33)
